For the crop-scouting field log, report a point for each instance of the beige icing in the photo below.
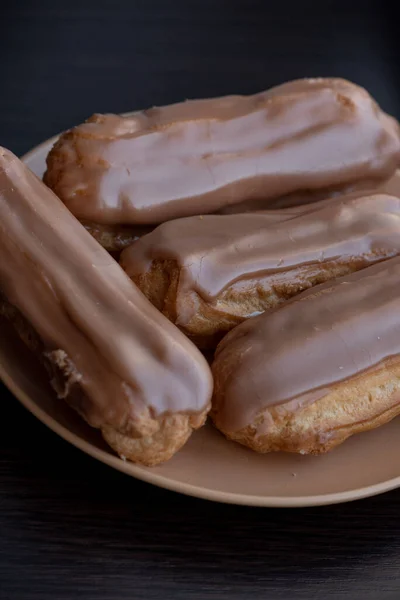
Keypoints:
(126, 356)
(323, 336)
(199, 156)
(215, 251)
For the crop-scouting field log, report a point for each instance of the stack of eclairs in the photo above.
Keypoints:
(236, 257)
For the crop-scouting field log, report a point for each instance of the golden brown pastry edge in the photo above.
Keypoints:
(364, 402)
(153, 441)
(210, 321)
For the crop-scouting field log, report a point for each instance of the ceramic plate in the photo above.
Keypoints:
(209, 466)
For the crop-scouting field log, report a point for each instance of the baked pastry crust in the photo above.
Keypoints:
(231, 153)
(148, 441)
(209, 274)
(115, 238)
(108, 352)
(366, 402)
(342, 368)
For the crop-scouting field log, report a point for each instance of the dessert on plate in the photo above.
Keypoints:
(208, 274)
(108, 352)
(275, 216)
(322, 367)
(120, 174)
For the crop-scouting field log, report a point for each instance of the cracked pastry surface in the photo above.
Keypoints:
(325, 366)
(208, 274)
(109, 353)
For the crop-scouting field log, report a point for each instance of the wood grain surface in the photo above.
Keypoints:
(69, 526)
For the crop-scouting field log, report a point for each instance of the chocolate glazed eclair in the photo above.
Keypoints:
(308, 375)
(208, 274)
(118, 175)
(115, 359)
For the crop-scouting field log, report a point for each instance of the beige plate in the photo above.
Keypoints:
(209, 466)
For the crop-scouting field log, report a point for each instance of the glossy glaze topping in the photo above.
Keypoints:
(200, 156)
(294, 354)
(215, 251)
(124, 354)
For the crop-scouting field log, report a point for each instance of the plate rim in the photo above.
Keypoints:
(186, 488)
(166, 482)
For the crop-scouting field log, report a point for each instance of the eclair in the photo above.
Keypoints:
(308, 375)
(118, 174)
(208, 274)
(109, 353)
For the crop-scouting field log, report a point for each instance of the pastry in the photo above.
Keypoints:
(209, 273)
(204, 156)
(119, 362)
(306, 376)
(115, 238)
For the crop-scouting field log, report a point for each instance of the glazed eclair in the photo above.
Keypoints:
(324, 366)
(208, 274)
(117, 174)
(120, 363)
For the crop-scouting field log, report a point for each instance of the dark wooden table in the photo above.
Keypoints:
(69, 526)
